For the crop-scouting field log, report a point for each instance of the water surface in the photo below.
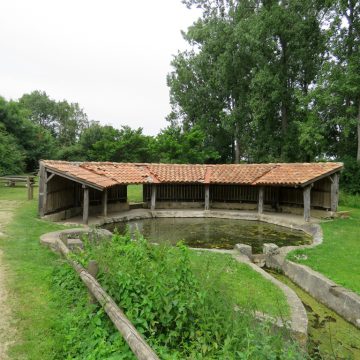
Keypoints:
(213, 233)
(330, 336)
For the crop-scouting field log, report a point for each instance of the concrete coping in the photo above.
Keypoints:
(50, 239)
(298, 322)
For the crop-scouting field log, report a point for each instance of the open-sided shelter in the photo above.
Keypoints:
(71, 188)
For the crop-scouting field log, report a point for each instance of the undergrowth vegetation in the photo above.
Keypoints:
(85, 329)
(179, 316)
(349, 200)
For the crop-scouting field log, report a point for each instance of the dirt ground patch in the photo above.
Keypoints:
(7, 329)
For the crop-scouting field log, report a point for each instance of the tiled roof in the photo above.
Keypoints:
(77, 172)
(175, 173)
(107, 174)
(297, 173)
(245, 174)
(122, 173)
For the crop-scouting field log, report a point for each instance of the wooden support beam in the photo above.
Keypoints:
(277, 198)
(86, 205)
(29, 186)
(307, 202)
(50, 177)
(207, 197)
(104, 202)
(334, 191)
(42, 190)
(261, 200)
(153, 197)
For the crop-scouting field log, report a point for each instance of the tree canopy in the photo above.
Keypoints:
(261, 81)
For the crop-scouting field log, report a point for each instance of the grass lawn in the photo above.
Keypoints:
(338, 257)
(245, 287)
(29, 283)
(53, 321)
(135, 193)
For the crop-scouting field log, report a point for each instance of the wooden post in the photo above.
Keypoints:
(86, 205)
(207, 197)
(277, 198)
(153, 196)
(307, 202)
(29, 188)
(42, 190)
(104, 202)
(92, 269)
(261, 200)
(334, 191)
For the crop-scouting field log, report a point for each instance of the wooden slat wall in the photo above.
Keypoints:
(233, 193)
(116, 193)
(320, 195)
(64, 194)
(60, 194)
(176, 192)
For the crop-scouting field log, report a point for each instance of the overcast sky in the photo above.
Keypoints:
(110, 56)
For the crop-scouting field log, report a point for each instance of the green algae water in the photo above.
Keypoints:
(213, 233)
(330, 336)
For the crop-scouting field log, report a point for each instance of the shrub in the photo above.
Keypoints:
(179, 317)
(350, 177)
(84, 332)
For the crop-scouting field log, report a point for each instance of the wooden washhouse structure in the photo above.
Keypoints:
(67, 189)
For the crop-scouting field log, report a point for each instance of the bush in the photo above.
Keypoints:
(349, 200)
(11, 156)
(179, 317)
(350, 177)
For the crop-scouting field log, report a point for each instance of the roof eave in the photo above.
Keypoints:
(322, 176)
(74, 178)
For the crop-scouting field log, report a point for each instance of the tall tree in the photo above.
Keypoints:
(209, 86)
(35, 141)
(250, 59)
(63, 119)
(11, 154)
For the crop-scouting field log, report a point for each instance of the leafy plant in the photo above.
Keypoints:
(179, 316)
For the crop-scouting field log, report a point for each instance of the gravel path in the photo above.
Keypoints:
(7, 329)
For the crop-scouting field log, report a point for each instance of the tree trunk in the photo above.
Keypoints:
(284, 118)
(237, 151)
(237, 145)
(358, 133)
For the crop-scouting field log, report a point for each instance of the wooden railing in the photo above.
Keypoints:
(28, 180)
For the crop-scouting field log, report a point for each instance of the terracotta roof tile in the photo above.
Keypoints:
(176, 173)
(122, 173)
(297, 173)
(74, 170)
(107, 174)
(244, 174)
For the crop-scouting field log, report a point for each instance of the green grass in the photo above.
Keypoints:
(49, 302)
(246, 288)
(31, 266)
(135, 193)
(338, 257)
(18, 192)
